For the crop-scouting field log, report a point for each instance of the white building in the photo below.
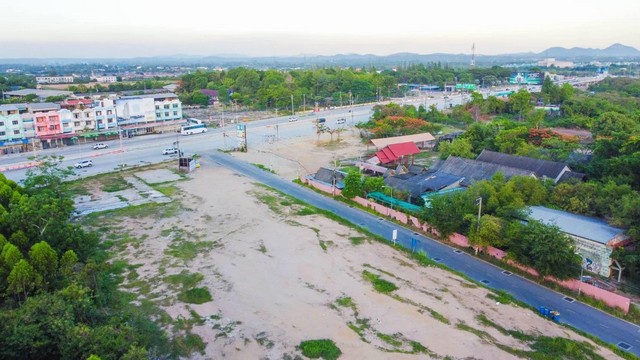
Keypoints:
(106, 79)
(54, 79)
(141, 114)
(553, 62)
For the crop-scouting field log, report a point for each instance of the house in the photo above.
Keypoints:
(330, 177)
(540, 168)
(54, 79)
(473, 170)
(401, 153)
(212, 94)
(594, 238)
(423, 140)
(416, 184)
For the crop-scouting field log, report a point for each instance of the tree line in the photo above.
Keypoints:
(609, 157)
(58, 295)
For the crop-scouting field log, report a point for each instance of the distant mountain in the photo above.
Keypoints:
(613, 51)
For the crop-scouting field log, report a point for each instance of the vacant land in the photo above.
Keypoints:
(233, 269)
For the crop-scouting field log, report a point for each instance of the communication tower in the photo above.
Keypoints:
(473, 56)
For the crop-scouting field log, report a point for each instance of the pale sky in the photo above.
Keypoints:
(131, 28)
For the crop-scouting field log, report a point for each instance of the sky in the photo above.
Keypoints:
(140, 28)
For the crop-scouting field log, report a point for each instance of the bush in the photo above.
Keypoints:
(195, 296)
(324, 348)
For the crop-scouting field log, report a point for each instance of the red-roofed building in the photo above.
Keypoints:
(398, 153)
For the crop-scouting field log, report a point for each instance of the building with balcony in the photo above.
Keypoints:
(13, 137)
(151, 113)
(52, 125)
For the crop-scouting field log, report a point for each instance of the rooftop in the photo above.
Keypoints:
(582, 226)
(382, 142)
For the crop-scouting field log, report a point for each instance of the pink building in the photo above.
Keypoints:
(48, 125)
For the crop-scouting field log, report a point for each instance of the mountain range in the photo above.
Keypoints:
(615, 52)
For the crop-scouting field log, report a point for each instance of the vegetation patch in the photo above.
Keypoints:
(195, 296)
(114, 184)
(501, 296)
(357, 240)
(167, 190)
(187, 250)
(262, 167)
(184, 280)
(263, 340)
(380, 285)
(186, 345)
(323, 348)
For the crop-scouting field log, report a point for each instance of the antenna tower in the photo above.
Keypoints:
(473, 56)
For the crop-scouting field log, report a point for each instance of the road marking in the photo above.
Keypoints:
(457, 251)
(508, 273)
(568, 299)
(604, 326)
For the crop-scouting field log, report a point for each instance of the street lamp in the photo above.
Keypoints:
(479, 203)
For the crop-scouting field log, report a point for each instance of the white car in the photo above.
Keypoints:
(341, 121)
(83, 164)
(293, 118)
(169, 151)
(100, 146)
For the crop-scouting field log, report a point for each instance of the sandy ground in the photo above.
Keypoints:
(276, 274)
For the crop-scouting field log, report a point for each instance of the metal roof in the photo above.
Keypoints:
(38, 93)
(43, 106)
(472, 170)
(382, 142)
(550, 169)
(582, 226)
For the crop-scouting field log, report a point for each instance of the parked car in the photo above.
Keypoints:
(100, 146)
(341, 121)
(293, 118)
(169, 151)
(83, 164)
(321, 120)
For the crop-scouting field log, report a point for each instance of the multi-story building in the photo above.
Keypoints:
(54, 79)
(52, 125)
(104, 111)
(106, 79)
(12, 135)
(142, 114)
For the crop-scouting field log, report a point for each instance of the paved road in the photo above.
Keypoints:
(574, 313)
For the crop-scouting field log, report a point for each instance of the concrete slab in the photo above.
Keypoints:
(158, 176)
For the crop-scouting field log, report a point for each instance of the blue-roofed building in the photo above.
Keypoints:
(594, 238)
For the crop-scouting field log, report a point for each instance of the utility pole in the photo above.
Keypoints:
(293, 112)
(304, 102)
(479, 203)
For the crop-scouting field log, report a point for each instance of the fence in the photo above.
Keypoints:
(609, 298)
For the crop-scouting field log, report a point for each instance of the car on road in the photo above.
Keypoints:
(293, 118)
(83, 164)
(321, 120)
(341, 121)
(169, 151)
(100, 146)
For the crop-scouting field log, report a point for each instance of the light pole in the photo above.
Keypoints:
(479, 203)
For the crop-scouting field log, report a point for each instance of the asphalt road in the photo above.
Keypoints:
(590, 320)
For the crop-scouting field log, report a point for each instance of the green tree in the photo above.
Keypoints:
(520, 103)
(460, 147)
(546, 249)
(447, 213)
(353, 185)
(44, 261)
(488, 233)
(372, 184)
(22, 279)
